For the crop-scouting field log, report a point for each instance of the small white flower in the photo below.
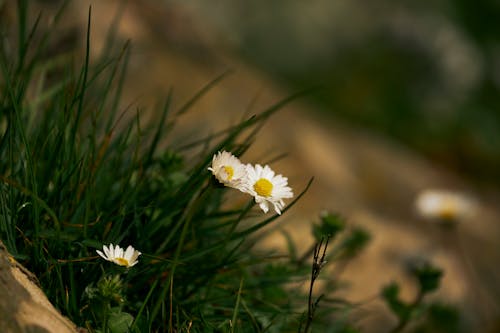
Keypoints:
(267, 187)
(444, 205)
(115, 254)
(228, 169)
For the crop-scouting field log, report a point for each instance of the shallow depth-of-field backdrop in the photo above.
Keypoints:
(399, 97)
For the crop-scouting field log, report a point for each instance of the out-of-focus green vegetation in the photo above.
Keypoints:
(426, 73)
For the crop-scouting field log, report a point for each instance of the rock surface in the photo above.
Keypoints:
(23, 306)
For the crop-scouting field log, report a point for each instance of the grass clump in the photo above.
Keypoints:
(79, 173)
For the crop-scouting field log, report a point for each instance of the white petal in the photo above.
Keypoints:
(102, 254)
(264, 206)
(118, 252)
(134, 257)
(108, 250)
(114, 251)
(278, 206)
(128, 253)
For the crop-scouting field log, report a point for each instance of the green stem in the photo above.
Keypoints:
(404, 322)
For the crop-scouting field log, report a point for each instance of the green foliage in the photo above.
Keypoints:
(119, 322)
(428, 278)
(79, 172)
(329, 226)
(442, 318)
(354, 242)
(109, 289)
(390, 294)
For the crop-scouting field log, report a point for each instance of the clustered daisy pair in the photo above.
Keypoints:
(261, 182)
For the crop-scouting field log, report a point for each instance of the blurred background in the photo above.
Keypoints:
(426, 74)
(405, 97)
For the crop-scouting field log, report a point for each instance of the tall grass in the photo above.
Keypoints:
(79, 172)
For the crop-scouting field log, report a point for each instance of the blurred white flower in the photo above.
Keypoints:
(267, 187)
(444, 205)
(228, 169)
(118, 256)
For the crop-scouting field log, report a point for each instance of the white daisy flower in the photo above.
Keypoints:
(267, 187)
(116, 255)
(228, 169)
(444, 205)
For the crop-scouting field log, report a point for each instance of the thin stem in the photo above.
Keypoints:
(318, 264)
(404, 322)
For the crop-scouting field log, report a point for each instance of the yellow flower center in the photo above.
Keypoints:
(263, 187)
(229, 172)
(122, 262)
(448, 210)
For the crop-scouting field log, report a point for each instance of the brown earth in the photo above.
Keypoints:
(365, 177)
